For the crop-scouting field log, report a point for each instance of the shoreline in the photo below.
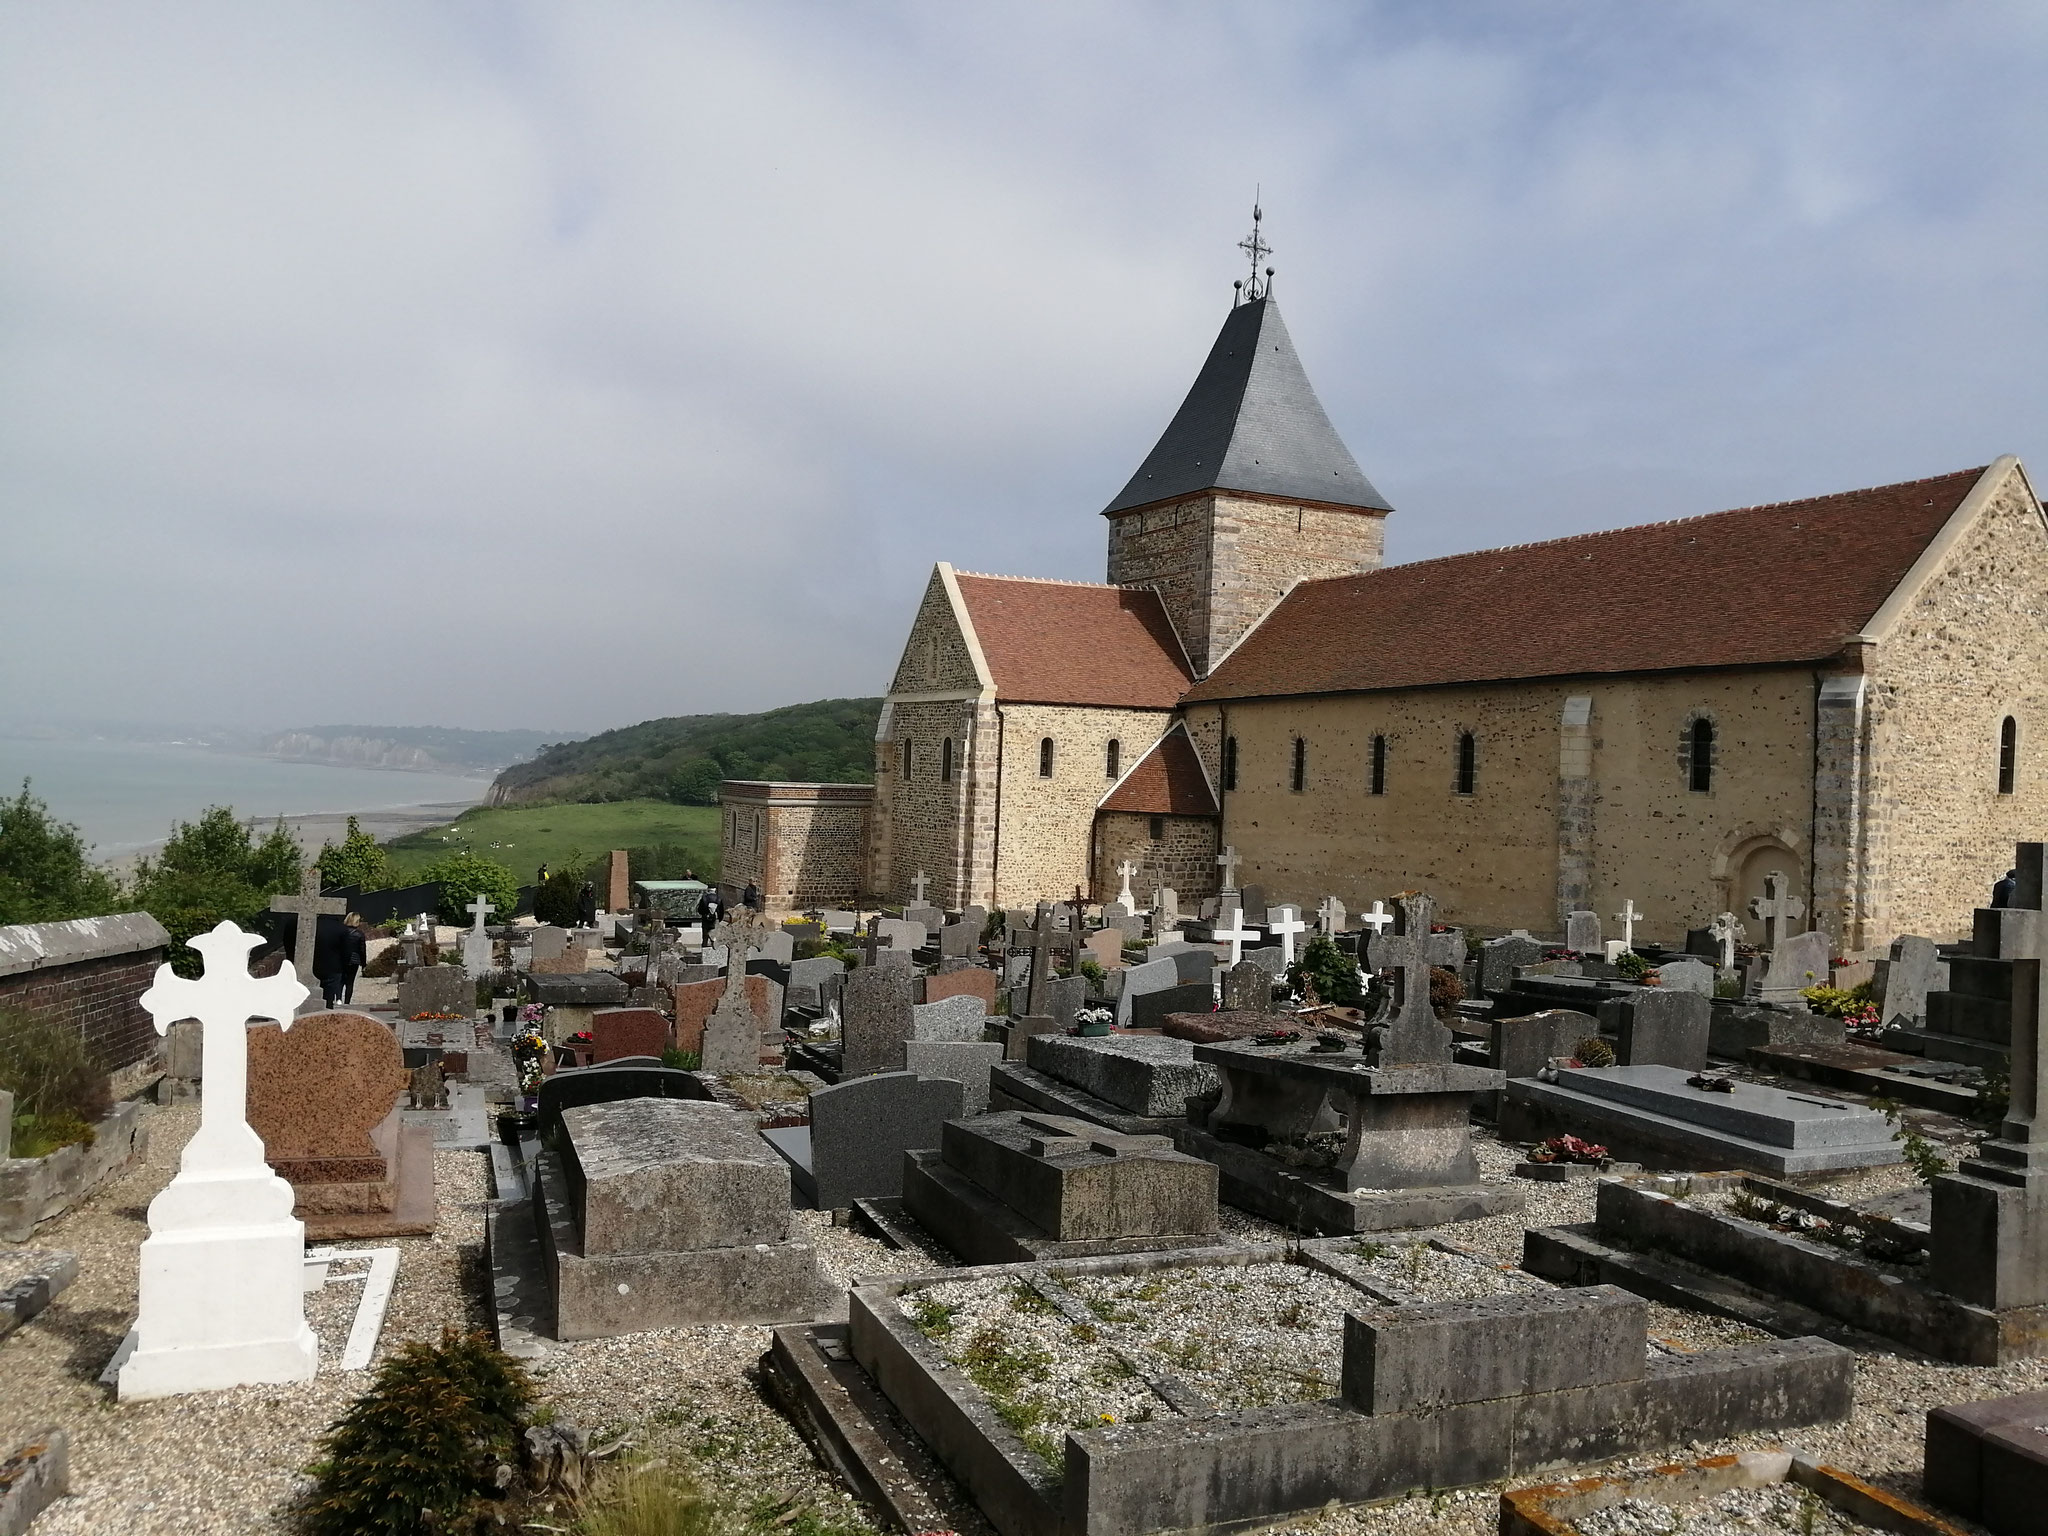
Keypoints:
(314, 829)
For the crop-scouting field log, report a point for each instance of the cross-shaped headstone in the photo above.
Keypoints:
(1377, 919)
(308, 907)
(479, 909)
(1412, 1034)
(918, 882)
(1287, 925)
(1227, 861)
(1127, 869)
(1627, 918)
(871, 941)
(1329, 917)
(1235, 935)
(1778, 907)
(1727, 932)
(1038, 939)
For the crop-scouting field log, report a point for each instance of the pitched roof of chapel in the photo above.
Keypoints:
(1789, 582)
(1070, 642)
(1167, 781)
(1253, 423)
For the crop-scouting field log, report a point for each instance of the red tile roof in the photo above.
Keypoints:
(1063, 642)
(1784, 583)
(1166, 781)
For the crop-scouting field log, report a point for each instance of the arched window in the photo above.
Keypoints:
(1468, 763)
(1300, 764)
(1230, 762)
(946, 761)
(906, 758)
(2008, 753)
(1045, 757)
(1112, 759)
(1377, 784)
(1699, 762)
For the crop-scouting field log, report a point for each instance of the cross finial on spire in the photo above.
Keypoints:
(1254, 245)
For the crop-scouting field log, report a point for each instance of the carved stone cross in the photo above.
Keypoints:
(1778, 908)
(918, 882)
(1287, 925)
(1727, 933)
(1330, 917)
(1412, 1034)
(1235, 935)
(479, 909)
(1627, 917)
(1227, 861)
(308, 907)
(1377, 919)
(1039, 940)
(871, 941)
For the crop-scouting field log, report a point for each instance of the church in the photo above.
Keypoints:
(1844, 689)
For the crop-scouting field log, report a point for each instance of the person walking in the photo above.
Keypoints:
(586, 905)
(330, 957)
(709, 908)
(356, 956)
(750, 898)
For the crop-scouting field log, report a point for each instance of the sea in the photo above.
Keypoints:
(125, 795)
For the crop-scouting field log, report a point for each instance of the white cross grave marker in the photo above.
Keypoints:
(918, 882)
(1127, 869)
(1228, 860)
(1330, 917)
(1726, 931)
(1235, 935)
(308, 907)
(479, 909)
(221, 1292)
(1287, 923)
(1627, 917)
(1377, 919)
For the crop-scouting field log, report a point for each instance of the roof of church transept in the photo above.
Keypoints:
(1070, 642)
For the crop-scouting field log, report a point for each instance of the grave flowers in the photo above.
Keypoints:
(1569, 1149)
(1093, 1021)
(1852, 1005)
(530, 1055)
(437, 1018)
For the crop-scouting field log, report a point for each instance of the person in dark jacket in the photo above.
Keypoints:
(586, 905)
(330, 957)
(750, 898)
(708, 910)
(358, 954)
(2002, 892)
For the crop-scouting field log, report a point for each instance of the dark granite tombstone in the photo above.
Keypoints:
(632, 1077)
(1149, 1009)
(1659, 1028)
(853, 1148)
(875, 1019)
(1248, 986)
(1523, 1046)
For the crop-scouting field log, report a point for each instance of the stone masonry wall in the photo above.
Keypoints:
(924, 812)
(935, 655)
(1491, 857)
(1220, 561)
(102, 1000)
(803, 845)
(1972, 649)
(1047, 825)
(1184, 857)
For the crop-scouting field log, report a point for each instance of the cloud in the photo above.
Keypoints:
(561, 366)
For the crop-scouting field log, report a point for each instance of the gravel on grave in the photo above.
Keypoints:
(1775, 1507)
(20, 1263)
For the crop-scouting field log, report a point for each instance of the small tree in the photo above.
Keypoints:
(359, 861)
(696, 783)
(45, 876)
(554, 899)
(465, 876)
(211, 869)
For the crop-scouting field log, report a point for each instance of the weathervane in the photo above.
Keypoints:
(1254, 246)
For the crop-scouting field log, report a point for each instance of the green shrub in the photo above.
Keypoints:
(211, 869)
(45, 876)
(421, 1450)
(1593, 1052)
(1333, 973)
(59, 1087)
(465, 876)
(359, 861)
(1630, 966)
(681, 1061)
(555, 898)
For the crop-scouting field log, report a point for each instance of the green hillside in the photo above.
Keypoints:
(681, 759)
(665, 839)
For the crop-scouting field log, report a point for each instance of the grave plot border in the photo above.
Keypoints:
(1228, 1471)
(1636, 1225)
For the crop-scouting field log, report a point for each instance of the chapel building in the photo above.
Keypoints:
(1847, 689)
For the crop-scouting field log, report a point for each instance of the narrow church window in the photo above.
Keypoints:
(1230, 762)
(1379, 765)
(1468, 763)
(1045, 758)
(946, 761)
(1112, 758)
(1158, 828)
(1300, 764)
(2008, 753)
(1700, 759)
(906, 759)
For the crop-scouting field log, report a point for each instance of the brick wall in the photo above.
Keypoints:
(803, 846)
(1047, 824)
(100, 998)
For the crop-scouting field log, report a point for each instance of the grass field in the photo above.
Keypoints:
(523, 838)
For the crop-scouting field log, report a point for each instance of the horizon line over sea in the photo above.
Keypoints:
(124, 796)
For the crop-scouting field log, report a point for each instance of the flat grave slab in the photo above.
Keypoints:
(1145, 1075)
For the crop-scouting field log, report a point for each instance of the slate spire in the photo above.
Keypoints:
(1251, 423)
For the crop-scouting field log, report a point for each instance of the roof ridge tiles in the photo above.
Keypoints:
(1051, 581)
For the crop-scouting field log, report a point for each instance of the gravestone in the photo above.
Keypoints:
(1139, 980)
(1799, 962)
(570, 1000)
(617, 1032)
(573, 959)
(1525, 1046)
(1659, 1028)
(1912, 969)
(1330, 917)
(807, 979)
(1686, 976)
(1165, 908)
(618, 886)
(1737, 1028)
(837, 920)
(859, 1130)
(1106, 947)
(1206, 1028)
(777, 944)
(436, 989)
(1411, 1033)
(1778, 908)
(1149, 1009)
(972, 982)
(1065, 996)
(959, 1017)
(1268, 958)
(325, 1100)
(1146, 1075)
(306, 909)
(960, 941)
(1582, 932)
(694, 1002)
(476, 943)
(1191, 963)
(1248, 987)
(627, 1078)
(548, 942)
(667, 1213)
(874, 1011)
(1499, 957)
(966, 1062)
(1020, 1187)
(1252, 901)
(732, 1033)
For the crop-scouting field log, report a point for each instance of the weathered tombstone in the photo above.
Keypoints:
(1065, 996)
(548, 942)
(1248, 987)
(324, 1099)
(667, 1213)
(1525, 1046)
(1412, 1033)
(220, 1283)
(1192, 963)
(1686, 976)
(1330, 917)
(618, 885)
(838, 920)
(959, 1017)
(874, 1010)
(903, 934)
(1912, 969)
(966, 1062)
(436, 989)
(807, 979)
(694, 1002)
(1727, 933)
(618, 1032)
(929, 919)
(859, 1130)
(1152, 976)
(960, 941)
(1149, 1009)
(1658, 1028)
(1269, 958)
(732, 1034)
(1779, 909)
(306, 909)
(1149, 1076)
(1165, 908)
(476, 943)
(777, 943)
(1499, 957)
(1582, 932)
(1799, 962)
(1106, 947)
(972, 982)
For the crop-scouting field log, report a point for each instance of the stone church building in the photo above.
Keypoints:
(1845, 688)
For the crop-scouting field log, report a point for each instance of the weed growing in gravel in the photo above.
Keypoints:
(1112, 1369)
(1290, 1316)
(1084, 1333)
(1189, 1354)
(933, 1318)
(1108, 1311)
(652, 1499)
(1415, 1257)
(1368, 1251)
(1025, 1298)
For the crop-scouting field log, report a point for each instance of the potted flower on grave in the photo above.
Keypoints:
(1094, 1021)
(1569, 1149)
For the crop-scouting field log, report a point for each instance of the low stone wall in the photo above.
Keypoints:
(34, 1189)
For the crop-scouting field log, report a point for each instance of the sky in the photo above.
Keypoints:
(491, 365)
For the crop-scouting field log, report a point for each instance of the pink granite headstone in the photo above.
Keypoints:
(616, 1032)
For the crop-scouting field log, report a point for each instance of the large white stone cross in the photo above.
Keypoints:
(1627, 918)
(1228, 860)
(1778, 907)
(1287, 925)
(221, 1299)
(1377, 919)
(1330, 917)
(479, 909)
(1726, 930)
(1235, 935)
(308, 907)
(1127, 869)
(919, 882)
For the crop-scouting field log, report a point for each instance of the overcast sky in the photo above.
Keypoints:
(494, 365)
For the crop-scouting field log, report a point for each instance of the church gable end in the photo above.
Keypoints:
(939, 655)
